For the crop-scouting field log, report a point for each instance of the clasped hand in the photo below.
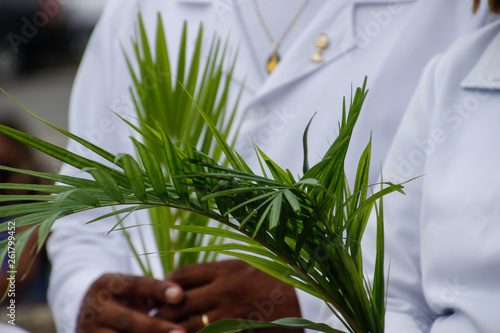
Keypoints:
(186, 300)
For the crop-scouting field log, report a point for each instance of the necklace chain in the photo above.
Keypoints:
(288, 28)
(276, 44)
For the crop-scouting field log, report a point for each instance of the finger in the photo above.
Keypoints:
(123, 319)
(192, 276)
(100, 330)
(141, 286)
(196, 302)
(95, 330)
(196, 323)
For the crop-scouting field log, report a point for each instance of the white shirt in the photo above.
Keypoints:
(8, 328)
(388, 40)
(442, 238)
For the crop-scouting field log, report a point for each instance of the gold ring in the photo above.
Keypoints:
(204, 320)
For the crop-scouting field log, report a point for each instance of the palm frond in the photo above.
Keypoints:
(170, 123)
(306, 231)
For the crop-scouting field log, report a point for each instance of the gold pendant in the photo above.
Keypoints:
(272, 62)
(321, 43)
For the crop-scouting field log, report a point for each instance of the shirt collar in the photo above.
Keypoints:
(486, 73)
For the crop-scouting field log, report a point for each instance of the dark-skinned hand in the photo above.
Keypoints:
(229, 289)
(121, 303)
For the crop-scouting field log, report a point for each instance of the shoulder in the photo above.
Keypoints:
(119, 8)
(119, 15)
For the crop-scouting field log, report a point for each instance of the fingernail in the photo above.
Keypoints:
(173, 294)
(176, 331)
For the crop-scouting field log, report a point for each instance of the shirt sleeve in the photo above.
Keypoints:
(80, 253)
(407, 310)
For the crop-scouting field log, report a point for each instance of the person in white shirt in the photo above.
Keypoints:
(96, 284)
(442, 238)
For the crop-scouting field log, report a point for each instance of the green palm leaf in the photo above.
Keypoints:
(306, 232)
(169, 119)
(237, 325)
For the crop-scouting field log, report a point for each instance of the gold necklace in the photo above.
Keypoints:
(274, 58)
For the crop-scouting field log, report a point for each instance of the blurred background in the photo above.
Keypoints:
(41, 44)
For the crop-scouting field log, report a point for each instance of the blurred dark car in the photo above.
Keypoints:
(36, 32)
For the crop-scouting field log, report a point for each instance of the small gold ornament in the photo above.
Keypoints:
(272, 62)
(321, 43)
